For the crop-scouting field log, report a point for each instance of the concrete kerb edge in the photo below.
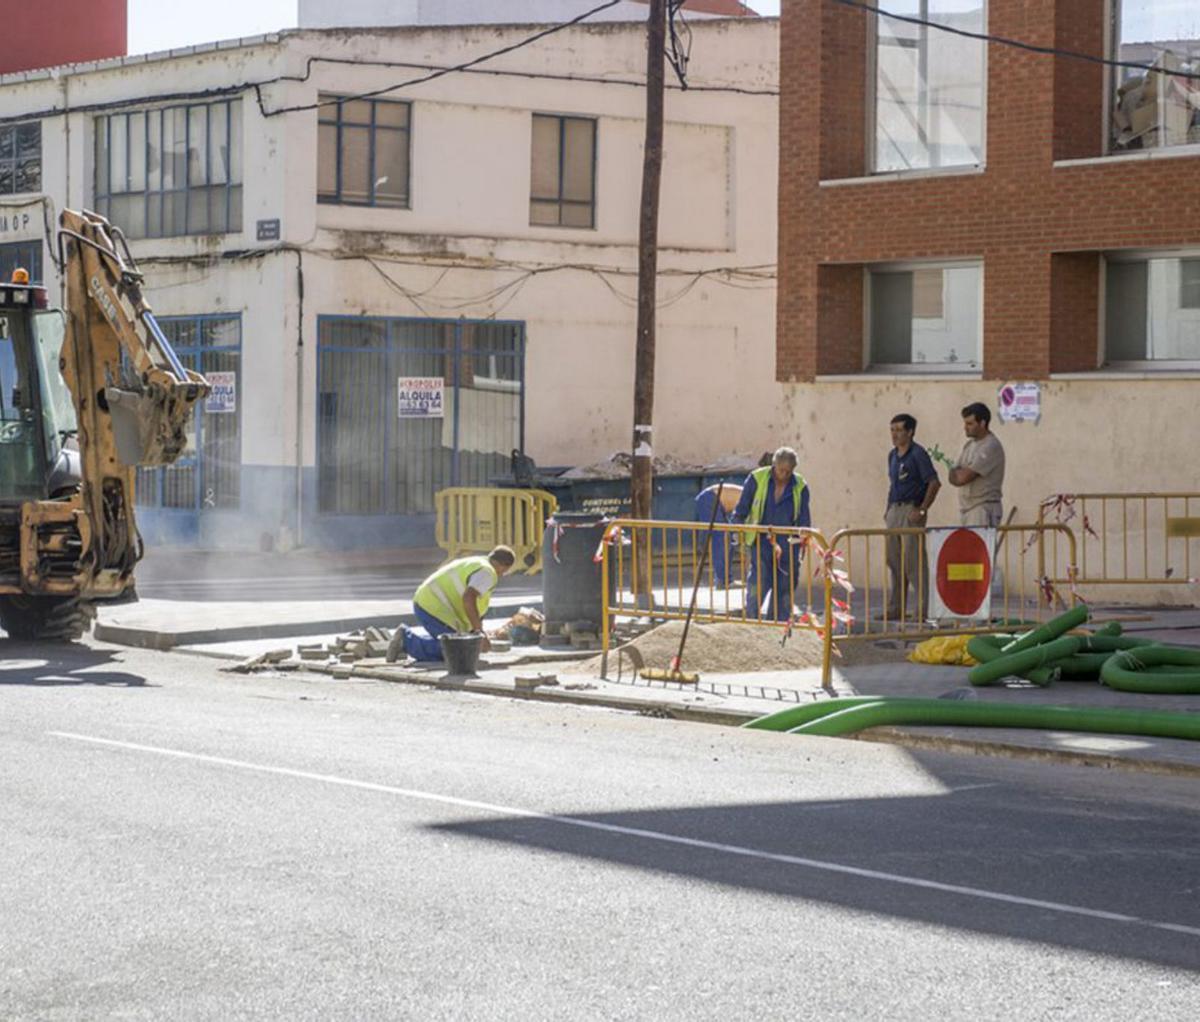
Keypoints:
(733, 718)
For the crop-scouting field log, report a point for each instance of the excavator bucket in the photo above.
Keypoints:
(125, 358)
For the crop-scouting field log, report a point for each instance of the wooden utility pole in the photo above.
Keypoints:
(642, 479)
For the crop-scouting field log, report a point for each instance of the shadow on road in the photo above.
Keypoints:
(1132, 861)
(61, 663)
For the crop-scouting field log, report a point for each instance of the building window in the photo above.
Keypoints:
(929, 317)
(25, 254)
(1189, 283)
(171, 172)
(208, 476)
(379, 451)
(563, 172)
(1152, 311)
(363, 152)
(20, 158)
(1153, 110)
(929, 87)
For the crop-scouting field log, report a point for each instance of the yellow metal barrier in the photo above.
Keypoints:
(648, 569)
(1022, 592)
(472, 520)
(1129, 538)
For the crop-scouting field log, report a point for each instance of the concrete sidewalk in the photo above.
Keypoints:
(240, 630)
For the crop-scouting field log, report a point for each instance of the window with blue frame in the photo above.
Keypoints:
(24, 254)
(363, 152)
(173, 171)
(407, 407)
(208, 476)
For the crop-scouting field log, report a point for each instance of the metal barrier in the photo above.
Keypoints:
(1128, 538)
(838, 589)
(472, 520)
(649, 569)
(1021, 593)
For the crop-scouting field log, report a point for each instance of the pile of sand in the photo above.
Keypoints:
(737, 649)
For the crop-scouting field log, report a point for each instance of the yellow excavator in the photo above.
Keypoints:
(88, 394)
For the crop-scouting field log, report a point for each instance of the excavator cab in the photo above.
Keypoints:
(38, 456)
(87, 396)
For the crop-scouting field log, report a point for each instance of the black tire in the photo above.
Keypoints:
(46, 618)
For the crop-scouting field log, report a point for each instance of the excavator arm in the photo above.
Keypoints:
(133, 401)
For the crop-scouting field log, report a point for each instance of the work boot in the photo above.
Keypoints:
(395, 650)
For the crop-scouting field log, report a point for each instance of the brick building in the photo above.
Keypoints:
(955, 214)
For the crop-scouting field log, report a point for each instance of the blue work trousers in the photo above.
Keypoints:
(771, 581)
(720, 540)
(422, 643)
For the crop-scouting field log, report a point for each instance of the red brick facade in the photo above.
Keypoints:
(1038, 228)
(48, 33)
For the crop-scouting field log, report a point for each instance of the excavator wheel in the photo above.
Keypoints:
(63, 618)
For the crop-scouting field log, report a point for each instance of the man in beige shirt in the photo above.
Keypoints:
(979, 474)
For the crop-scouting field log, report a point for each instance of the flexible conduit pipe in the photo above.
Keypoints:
(1024, 662)
(1164, 670)
(1052, 629)
(881, 712)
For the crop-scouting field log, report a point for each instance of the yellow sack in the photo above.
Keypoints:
(944, 649)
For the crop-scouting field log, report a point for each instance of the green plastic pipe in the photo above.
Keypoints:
(1081, 666)
(985, 648)
(1052, 629)
(1023, 661)
(793, 716)
(1164, 670)
(1153, 724)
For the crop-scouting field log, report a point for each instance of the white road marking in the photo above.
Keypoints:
(650, 835)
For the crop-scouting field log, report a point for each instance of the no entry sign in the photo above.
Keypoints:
(962, 572)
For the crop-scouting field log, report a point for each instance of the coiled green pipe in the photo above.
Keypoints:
(1163, 670)
(1052, 629)
(880, 712)
(985, 648)
(1024, 661)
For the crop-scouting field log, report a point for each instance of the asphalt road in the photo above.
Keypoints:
(181, 843)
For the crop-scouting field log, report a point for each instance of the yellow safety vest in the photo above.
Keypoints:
(762, 486)
(442, 593)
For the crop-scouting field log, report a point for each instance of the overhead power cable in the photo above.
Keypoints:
(466, 65)
(1052, 51)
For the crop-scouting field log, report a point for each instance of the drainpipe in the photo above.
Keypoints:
(300, 398)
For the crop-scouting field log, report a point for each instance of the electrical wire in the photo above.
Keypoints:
(466, 65)
(987, 37)
(679, 52)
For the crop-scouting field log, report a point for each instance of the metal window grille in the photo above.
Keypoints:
(208, 476)
(25, 254)
(364, 152)
(172, 171)
(370, 460)
(563, 172)
(20, 158)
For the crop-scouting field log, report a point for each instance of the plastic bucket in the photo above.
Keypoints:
(461, 652)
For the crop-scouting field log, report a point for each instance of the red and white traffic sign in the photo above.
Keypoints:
(962, 572)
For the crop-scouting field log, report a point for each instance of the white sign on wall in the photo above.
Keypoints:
(1020, 402)
(421, 397)
(222, 398)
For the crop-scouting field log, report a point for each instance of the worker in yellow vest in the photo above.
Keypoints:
(453, 599)
(775, 496)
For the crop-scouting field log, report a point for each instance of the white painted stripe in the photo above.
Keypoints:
(650, 835)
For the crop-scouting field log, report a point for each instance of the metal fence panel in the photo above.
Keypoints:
(372, 461)
(208, 475)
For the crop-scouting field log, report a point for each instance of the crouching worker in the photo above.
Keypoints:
(453, 599)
